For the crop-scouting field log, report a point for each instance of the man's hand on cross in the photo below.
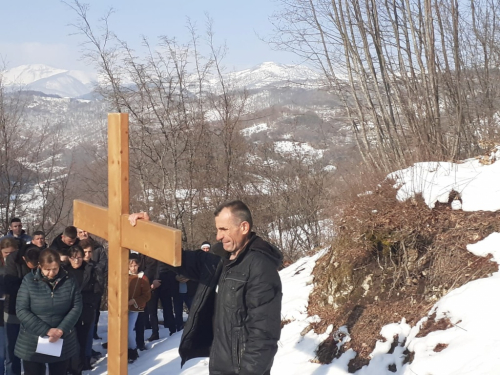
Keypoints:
(132, 218)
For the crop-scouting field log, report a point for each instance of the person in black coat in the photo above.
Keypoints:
(236, 313)
(64, 241)
(17, 265)
(39, 240)
(49, 303)
(90, 283)
(169, 292)
(99, 258)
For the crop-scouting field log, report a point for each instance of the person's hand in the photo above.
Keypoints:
(156, 284)
(132, 218)
(181, 279)
(131, 302)
(54, 334)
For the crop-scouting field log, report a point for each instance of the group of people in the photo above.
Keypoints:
(232, 291)
(49, 292)
(56, 291)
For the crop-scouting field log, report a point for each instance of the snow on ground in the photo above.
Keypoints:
(478, 184)
(297, 148)
(255, 129)
(471, 345)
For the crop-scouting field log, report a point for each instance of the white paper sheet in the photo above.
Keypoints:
(50, 348)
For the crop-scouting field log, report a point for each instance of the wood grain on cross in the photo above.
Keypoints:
(151, 239)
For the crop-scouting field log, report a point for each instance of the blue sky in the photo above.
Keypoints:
(36, 31)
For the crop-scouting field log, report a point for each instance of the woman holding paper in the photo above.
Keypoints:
(48, 305)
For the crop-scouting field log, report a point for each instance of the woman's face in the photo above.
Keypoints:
(50, 270)
(76, 260)
(7, 251)
(133, 267)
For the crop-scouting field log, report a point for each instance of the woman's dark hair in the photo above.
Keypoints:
(9, 242)
(75, 250)
(32, 255)
(47, 256)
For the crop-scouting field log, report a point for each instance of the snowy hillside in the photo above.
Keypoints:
(49, 80)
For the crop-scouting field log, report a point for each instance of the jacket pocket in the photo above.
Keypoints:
(234, 288)
(236, 348)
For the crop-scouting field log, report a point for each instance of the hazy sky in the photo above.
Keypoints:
(36, 31)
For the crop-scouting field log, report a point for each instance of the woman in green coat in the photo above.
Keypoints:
(48, 305)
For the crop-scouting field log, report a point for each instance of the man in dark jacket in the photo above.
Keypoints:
(99, 255)
(64, 241)
(100, 258)
(16, 230)
(39, 240)
(236, 313)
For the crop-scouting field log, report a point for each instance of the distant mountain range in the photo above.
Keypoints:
(76, 83)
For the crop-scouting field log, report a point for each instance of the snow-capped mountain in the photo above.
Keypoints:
(270, 73)
(39, 77)
(75, 83)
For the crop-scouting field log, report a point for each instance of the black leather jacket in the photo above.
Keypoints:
(236, 312)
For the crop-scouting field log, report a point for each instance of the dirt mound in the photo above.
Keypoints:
(393, 260)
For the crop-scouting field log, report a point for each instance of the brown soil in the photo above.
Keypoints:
(393, 260)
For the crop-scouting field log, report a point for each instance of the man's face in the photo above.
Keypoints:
(82, 234)
(230, 231)
(68, 241)
(16, 227)
(87, 254)
(38, 240)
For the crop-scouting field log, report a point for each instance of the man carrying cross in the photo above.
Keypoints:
(235, 317)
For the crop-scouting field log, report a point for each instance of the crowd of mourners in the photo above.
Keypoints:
(55, 293)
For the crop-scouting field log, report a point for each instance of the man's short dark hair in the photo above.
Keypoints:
(70, 232)
(238, 209)
(87, 243)
(15, 220)
(38, 233)
(32, 254)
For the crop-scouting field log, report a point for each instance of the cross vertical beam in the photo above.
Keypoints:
(118, 197)
(151, 239)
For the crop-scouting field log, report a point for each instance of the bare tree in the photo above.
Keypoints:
(411, 74)
(179, 114)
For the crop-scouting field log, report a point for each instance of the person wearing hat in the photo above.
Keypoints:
(205, 246)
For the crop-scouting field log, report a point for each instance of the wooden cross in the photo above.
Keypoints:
(154, 240)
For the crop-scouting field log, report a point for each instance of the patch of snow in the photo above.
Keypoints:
(477, 184)
(254, 129)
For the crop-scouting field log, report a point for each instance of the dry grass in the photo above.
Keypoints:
(393, 260)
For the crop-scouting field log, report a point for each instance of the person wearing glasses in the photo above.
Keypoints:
(90, 283)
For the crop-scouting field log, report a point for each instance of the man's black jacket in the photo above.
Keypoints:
(236, 312)
(91, 285)
(14, 272)
(58, 245)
